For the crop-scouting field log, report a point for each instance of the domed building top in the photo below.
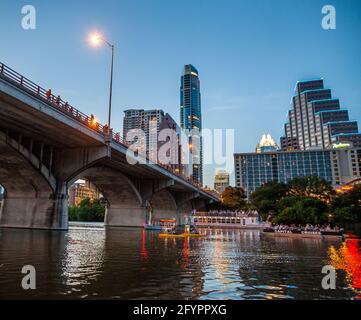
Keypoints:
(266, 144)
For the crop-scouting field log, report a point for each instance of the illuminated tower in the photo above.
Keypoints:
(191, 118)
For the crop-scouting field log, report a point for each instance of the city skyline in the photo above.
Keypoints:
(249, 85)
(167, 151)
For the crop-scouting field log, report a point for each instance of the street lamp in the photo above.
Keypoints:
(96, 39)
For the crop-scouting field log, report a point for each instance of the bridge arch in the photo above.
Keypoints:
(31, 196)
(163, 205)
(125, 205)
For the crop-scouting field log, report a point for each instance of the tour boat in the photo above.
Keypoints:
(162, 225)
(243, 220)
(324, 234)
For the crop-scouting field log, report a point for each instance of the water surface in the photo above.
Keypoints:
(120, 263)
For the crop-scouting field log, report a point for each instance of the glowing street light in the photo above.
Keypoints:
(96, 39)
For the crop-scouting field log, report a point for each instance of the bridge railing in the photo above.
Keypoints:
(57, 102)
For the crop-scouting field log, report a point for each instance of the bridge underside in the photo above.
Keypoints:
(34, 198)
(30, 200)
(42, 151)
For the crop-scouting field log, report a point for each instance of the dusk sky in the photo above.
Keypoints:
(249, 55)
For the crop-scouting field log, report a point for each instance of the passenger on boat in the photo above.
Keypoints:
(309, 228)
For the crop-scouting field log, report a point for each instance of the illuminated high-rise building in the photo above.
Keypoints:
(221, 181)
(317, 121)
(191, 118)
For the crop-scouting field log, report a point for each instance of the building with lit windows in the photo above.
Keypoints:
(152, 123)
(338, 166)
(320, 140)
(146, 120)
(316, 119)
(191, 118)
(289, 143)
(221, 181)
(81, 190)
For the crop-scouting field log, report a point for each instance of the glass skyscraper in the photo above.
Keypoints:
(191, 118)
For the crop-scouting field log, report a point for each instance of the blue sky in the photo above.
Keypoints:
(249, 54)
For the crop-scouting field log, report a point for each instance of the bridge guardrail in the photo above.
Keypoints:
(57, 102)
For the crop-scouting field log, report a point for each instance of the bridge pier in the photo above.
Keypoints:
(36, 213)
(44, 211)
(119, 216)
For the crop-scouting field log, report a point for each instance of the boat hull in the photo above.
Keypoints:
(229, 226)
(154, 228)
(305, 235)
(182, 235)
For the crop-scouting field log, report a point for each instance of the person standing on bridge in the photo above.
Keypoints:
(48, 94)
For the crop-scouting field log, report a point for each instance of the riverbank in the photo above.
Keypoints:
(86, 224)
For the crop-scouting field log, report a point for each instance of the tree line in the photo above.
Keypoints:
(303, 200)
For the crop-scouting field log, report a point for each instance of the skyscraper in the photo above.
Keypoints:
(316, 119)
(151, 123)
(191, 118)
(221, 181)
(146, 120)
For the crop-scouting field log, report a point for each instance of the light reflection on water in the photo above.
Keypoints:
(136, 264)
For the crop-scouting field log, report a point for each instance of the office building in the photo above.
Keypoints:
(81, 190)
(191, 118)
(338, 166)
(316, 120)
(176, 152)
(221, 181)
(152, 122)
(288, 143)
(148, 121)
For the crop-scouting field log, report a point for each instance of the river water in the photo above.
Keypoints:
(91, 262)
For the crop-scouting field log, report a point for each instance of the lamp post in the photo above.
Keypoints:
(96, 39)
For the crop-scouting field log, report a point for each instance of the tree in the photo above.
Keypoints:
(265, 197)
(347, 215)
(233, 198)
(347, 206)
(88, 210)
(301, 210)
(311, 187)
